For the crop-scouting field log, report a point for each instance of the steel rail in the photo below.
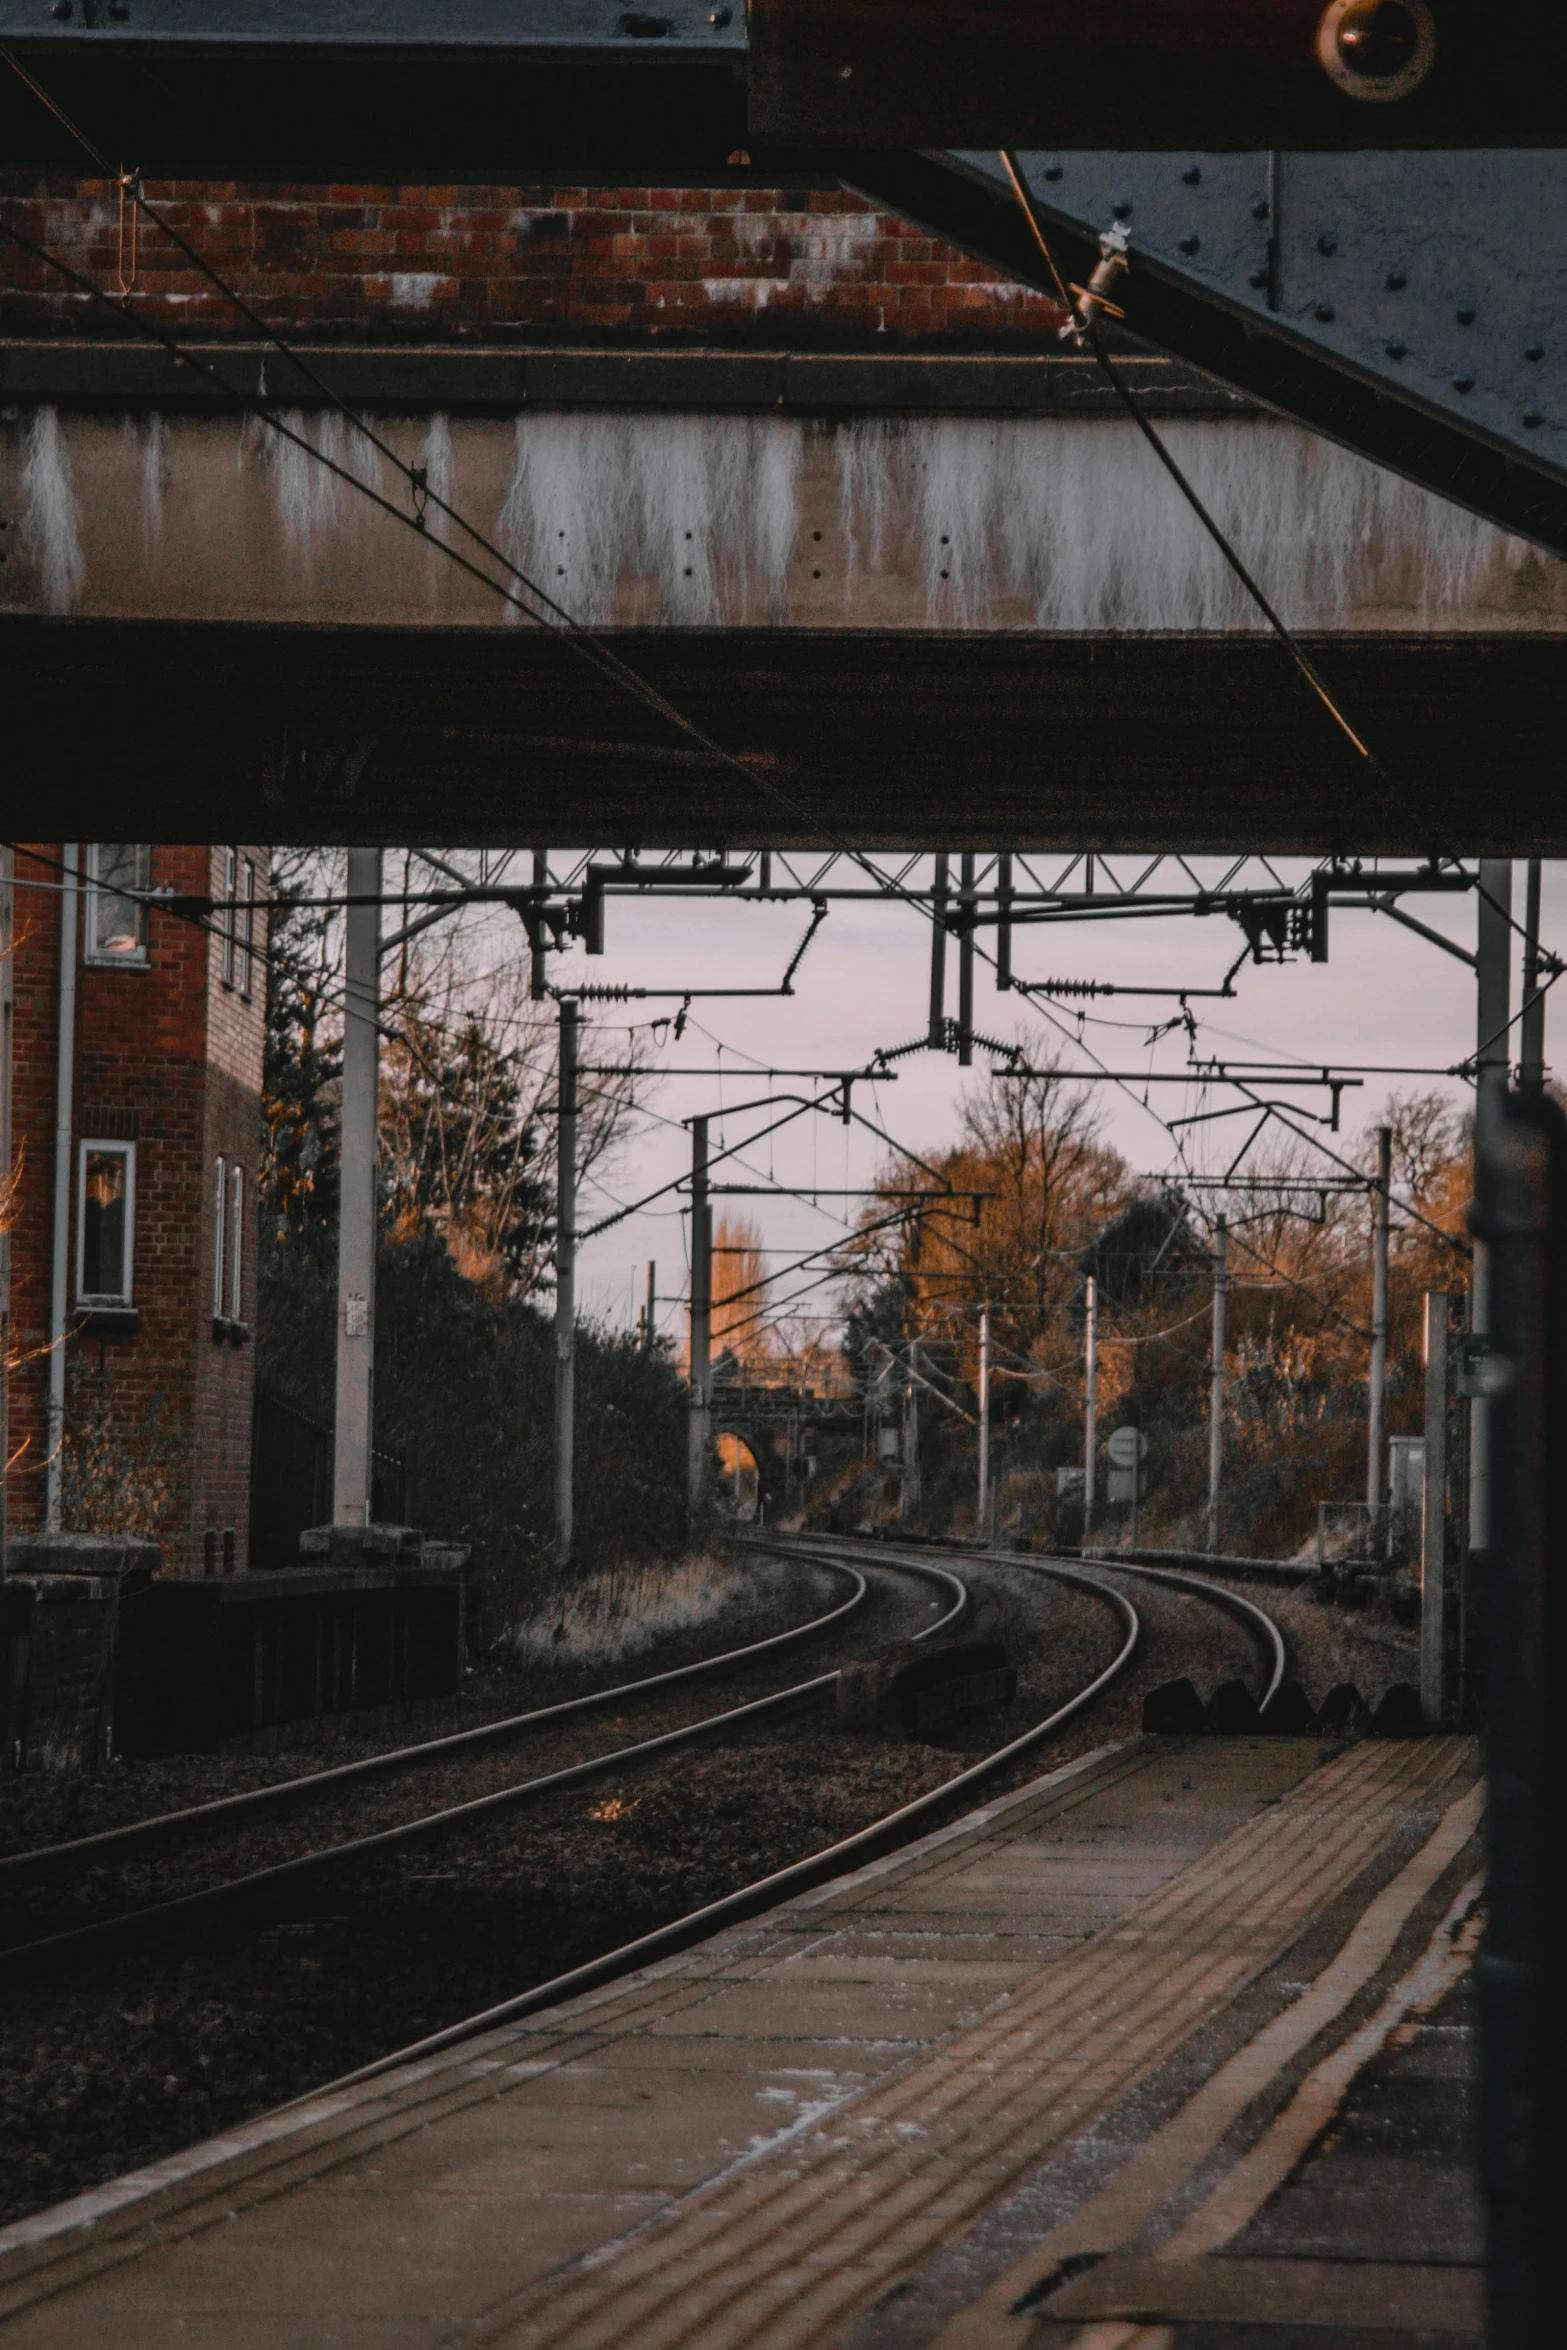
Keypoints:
(1256, 1620)
(111, 1844)
(246, 1893)
(797, 1877)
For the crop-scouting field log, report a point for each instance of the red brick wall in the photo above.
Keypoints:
(164, 1058)
(732, 266)
(35, 977)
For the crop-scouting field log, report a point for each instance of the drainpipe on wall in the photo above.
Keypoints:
(64, 1085)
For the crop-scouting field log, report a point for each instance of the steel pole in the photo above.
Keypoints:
(7, 1045)
(982, 1521)
(1521, 1976)
(538, 983)
(649, 1327)
(1090, 1399)
(701, 1325)
(566, 1288)
(911, 1439)
(1004, 924)
(1216, 1388)
(937, 1032)
(1433, 1514)
(1531, 1024)
(966, 963)
(1376, 1486)
(352, 1418)
(1493, 991)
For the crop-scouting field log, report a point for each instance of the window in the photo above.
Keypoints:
(219, 1237)
(238, 919)
(230, 892)
(228, 1243)
(236, 1242)
(116, 915)
(105, 1231)
(245, 915)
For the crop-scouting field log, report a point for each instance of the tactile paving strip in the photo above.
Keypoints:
(780, 2255)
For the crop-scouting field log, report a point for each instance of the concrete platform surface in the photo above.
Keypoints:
(1074, 2069)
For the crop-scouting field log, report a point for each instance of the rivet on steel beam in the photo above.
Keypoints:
(1396, 281)
(1535, 351)
(1259, 278)
(1325, 311)
(1532, 417)
(1192, 174)
(1190, 244)
(1397, 350)
(1465, 317)
(1121, 211)
(1053, 171)
(1327, 242)
(1463, 383)
(1261, 209)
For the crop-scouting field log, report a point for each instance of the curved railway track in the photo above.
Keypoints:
(816, 1868)
(110, 1845)
(256, 1889)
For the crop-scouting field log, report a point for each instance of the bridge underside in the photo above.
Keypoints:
(883, 739)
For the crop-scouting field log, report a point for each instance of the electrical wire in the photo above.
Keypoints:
(561, 621)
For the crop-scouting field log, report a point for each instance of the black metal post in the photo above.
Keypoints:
(966, 964)
(1520, 1213)
(938, 957)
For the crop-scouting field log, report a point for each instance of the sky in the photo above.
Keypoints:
(1385, 997)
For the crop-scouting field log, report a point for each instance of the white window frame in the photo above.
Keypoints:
(126, 1151)
(236, 1243)
(230, 893)
(220, 1225)
(92, 953)
(245, 925)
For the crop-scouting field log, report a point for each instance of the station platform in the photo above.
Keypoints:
(1165, 2051)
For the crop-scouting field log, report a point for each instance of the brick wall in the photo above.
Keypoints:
(169, 1059)
(732, 266)
(35, 984)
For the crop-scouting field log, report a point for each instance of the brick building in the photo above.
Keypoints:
(737, 267)
(136, 1215)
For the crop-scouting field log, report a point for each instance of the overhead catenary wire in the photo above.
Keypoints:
(1088, 331)
(561, 621)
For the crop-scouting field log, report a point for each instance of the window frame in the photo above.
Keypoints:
(236, 1250)
(229, 933)
(94, 888)
(245, 926)
(95, 1301)
(220, 1236)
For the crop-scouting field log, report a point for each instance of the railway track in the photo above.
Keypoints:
(893, 1828)
(110, 1845)
(255, 1890)
(253, 2023)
